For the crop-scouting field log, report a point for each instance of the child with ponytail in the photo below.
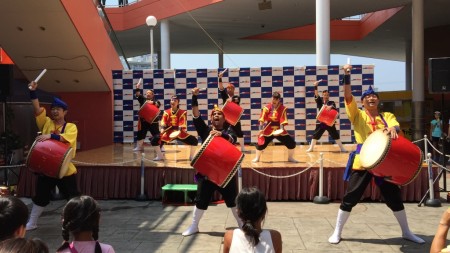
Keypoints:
(252, 209)
(81, 219)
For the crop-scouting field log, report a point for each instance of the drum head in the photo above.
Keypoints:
(374, 149)
(174, 134)
(277, 132)
(65, 163)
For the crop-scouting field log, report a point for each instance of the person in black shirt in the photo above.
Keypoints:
(144, 126)
(321, 127)
(228, 94)
(205, 188)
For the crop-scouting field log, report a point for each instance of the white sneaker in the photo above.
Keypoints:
(193, 229)
(163, 149)
(158, 159)
(309, 150)
(136, 149)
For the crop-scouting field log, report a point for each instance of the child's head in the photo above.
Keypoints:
(252, 208)
(81, 214)
(19, 245)
(13, 217)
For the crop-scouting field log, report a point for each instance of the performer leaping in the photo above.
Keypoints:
(364, 123)
(272, 121)
(174, 124)
(205, 189)
(227, 94)
(321, 127)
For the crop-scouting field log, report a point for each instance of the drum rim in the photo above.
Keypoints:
(240, 114)
(179, 132)
(27, 162)
(70, 149)
(383, 155)
(201, 150)
(233, 171)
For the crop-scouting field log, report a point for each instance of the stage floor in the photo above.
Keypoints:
(177, 156)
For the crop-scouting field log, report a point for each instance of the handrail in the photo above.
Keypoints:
(113, 36)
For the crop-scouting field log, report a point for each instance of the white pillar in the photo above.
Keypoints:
(418, 67)
(322, 32)
(165, 44)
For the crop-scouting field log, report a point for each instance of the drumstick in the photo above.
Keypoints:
(38, 77)
(140, 81)
(224, 71)
(349, 63)
(202, 89)
(165, 130)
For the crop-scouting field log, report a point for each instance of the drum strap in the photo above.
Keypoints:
(351, 158)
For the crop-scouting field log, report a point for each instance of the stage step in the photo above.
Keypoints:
(178, 187)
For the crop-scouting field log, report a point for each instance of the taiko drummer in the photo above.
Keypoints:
(219, 128)
(365, 121)
(55, 128)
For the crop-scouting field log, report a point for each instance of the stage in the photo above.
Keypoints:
(114, 172)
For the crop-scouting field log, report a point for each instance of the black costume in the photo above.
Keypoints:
(321, 127)
(145, 126)
(235, 99)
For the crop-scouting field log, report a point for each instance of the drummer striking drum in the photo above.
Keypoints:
(365, 122)
(206, 188)
(321, 127)
(174, 124)
(274, 115)
(57, 129)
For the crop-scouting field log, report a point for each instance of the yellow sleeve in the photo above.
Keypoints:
(42, 120)
(391, 120)
(264, 111)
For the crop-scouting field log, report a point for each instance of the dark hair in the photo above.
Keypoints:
(13, 214)
(79, 215)
(251, 207)
(325, 91)
(276, 95)
(20, 245)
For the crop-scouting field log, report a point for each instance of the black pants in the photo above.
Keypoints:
(287, 140)
(190, 140)
(320, 129)
(154, 131)
(238, 129)
(359, 179)
(66, 185)
(206, 188)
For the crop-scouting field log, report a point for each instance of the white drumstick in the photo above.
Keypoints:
(202, 89)
(349, 63)
(224, 71)
(40, 75)
(140, 81)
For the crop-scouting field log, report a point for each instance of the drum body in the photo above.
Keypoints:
(218, 160)
(232, 112)
(327, 117)
(148, 112)
(50, 157)
(397, 161)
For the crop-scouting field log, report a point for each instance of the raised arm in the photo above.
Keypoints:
(347, 88)
(316, 84)
(34, 99)
(195, 110)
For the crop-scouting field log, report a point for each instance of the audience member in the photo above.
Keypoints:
(13, 217)
(81, 219)
(440, 237)
(23, 245)
(252, 209)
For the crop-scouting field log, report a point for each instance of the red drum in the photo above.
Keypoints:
(327, 116)
(218, 160)
(232, 112)
(398, 161)
(148, 112)
(50, 157)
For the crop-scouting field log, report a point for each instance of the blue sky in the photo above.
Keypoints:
(389, 75)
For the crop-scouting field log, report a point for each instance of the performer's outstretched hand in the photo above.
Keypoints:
(32, 85)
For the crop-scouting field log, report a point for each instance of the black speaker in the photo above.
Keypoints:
(6, 80)
(439, 75)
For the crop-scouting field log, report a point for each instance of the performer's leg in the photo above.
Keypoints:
(289, 142)
(44, 186)
(159, 154)
(355, 189)
(229, 194)
(392, 194)
(317, 134)
(240, 135)
(142, 132)
(68, 186)
(335, 135)
(205, 189)
(259, 149)
(192, 142)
